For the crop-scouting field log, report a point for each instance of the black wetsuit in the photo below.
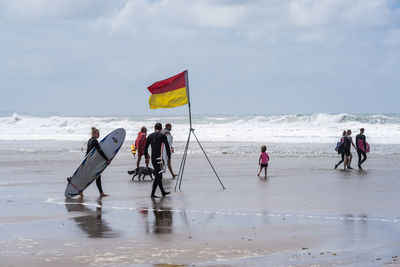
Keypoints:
(347, 145)
(90, 145)
(155, 140)
(342, 155)
(360, 151)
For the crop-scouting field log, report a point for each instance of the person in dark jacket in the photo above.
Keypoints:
(156, 140)
(341, 152)
(361, 147)
(93, 143)
(348, 142)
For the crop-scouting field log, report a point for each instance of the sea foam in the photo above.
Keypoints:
(286, 128)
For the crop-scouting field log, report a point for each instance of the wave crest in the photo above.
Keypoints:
(319, 127)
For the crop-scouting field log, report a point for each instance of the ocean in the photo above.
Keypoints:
(296, 134)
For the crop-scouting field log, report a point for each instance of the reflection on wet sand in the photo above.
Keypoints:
(356, 229)
(163, 218)
(169, 265)
(91, 221)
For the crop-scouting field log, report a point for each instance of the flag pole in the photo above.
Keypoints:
(188, 96)
(191, 130)
(183, 162)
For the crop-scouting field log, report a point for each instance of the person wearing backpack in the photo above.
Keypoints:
(340, 149)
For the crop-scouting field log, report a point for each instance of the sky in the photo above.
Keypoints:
(97, 57)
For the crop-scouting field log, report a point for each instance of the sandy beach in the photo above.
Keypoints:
(305, 213)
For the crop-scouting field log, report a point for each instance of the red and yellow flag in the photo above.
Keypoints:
(169, 93)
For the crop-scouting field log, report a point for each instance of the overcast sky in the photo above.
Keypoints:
(97, 57)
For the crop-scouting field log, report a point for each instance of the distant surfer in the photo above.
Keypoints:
(348, 142)
(93, 143)
(167, 133)
(157, 141)
(361, 148)
(263, 161)
(140, 144)
(340, 149)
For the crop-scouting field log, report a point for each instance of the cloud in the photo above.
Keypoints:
(392, 38)
(171, 18)
(180, 18)
(36, 10)
(248, 46)
(355, 13)
(209, 15)
(266, 21)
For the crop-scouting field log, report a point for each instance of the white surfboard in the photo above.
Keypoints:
(164, 157)
(94, 164)
(164, 151)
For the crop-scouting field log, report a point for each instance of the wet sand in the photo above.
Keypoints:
(304, 214)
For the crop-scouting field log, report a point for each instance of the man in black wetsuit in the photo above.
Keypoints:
(155, 140)
(90, 145)
(361, 148)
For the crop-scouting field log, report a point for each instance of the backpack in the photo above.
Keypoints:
(339, 147)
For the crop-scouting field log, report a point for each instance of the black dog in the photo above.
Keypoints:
(142, 171)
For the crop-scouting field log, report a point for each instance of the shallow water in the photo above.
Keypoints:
(303, 209)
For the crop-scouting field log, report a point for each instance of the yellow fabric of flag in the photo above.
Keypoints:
(169, 99)
(169, 93)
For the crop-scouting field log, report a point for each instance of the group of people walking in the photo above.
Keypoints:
(344, 149)
(160, 143)
(140, 145)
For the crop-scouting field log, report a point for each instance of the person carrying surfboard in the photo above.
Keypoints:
(93, 143)
(140, 144)
(157, 141)
(361, 148)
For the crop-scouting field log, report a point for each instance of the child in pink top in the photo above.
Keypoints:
(263, 161)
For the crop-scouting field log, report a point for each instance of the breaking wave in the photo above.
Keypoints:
(286, 128)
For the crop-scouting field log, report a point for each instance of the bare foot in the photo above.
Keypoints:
(103, 195)
(174, 176)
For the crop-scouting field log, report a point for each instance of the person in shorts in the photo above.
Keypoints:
(140, 144)
(348, 142)
(263, 161)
